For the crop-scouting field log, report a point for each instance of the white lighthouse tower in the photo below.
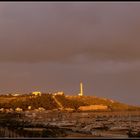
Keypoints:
(81, 89)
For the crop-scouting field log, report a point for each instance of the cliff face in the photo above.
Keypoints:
(93, 107)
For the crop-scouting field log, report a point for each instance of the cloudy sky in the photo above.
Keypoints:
(53, 46)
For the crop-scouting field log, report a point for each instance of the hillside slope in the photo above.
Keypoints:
(76, 101)
(47, 101)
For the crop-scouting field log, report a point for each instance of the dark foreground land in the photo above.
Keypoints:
(125, 124)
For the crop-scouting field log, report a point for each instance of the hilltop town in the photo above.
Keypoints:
(37, 100)
(59, 115)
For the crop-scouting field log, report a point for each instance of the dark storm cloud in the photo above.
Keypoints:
(36, 32)
(53, 46)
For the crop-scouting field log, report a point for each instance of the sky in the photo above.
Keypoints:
(53, 46)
